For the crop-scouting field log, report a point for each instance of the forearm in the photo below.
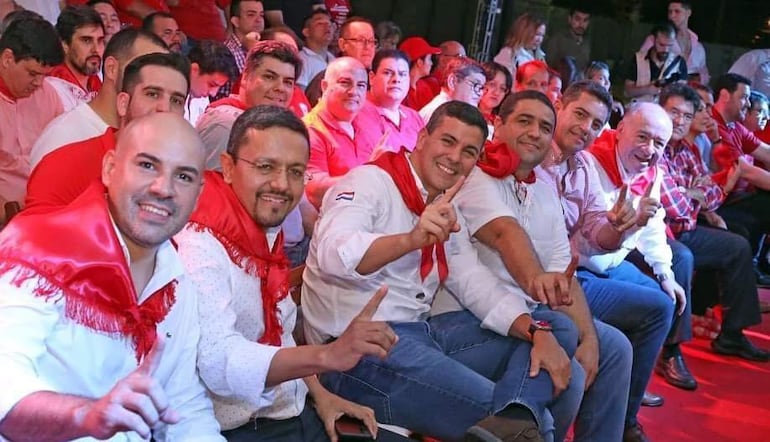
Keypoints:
(757, 177)
(518, 256)
(45, 417)
(520, 328)
(383, 251)
(580, 313)
(291, 363)
(633, 91)
(609, 238)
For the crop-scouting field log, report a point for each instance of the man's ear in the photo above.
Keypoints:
(112, 70)
(228, 166)
(451, 82)
(122, 101)
(108, 167)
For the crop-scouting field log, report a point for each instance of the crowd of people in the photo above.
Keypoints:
(492, 251)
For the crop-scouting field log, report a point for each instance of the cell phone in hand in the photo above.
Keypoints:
(352, 429)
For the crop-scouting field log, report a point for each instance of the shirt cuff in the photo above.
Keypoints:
(247, 372)
(661, 269)
(500, 318)
(352, 251)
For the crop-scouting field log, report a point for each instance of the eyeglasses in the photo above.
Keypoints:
(363, 41)
(268, 169)
(675, 115)
(478, 88)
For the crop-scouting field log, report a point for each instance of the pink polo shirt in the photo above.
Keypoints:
(373, 118)
(332, 151)
(21, 122)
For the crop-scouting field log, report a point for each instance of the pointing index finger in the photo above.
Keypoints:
(572, 267)
(452, 191)
(621, 198)
(648, 190)
(367, 313)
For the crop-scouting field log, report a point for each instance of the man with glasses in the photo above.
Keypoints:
(689, 190)
(338, 140)
(464, 81)
(357, 41)
(232, 250)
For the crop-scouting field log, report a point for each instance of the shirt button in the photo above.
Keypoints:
(420, 296)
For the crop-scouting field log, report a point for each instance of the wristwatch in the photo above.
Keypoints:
(539, 326)
(662, 277)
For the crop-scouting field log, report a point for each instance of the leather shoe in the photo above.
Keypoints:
(675, 372)
(763, 279)
(634, 433)
(742, 348)
(652, 400)
(501, 429)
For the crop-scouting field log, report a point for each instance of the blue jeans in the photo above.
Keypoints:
(447, 373)
(602, 413)
(635, 304)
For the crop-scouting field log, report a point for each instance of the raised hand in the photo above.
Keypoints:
(363, 337)
(622, 216)
(438, 220)
(648, 206)
(136, 403)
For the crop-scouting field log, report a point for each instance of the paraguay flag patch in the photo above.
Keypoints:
(345, 196)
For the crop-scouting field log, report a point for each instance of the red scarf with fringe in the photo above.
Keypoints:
(397, 166)
(76, 256)
(603, 149)
(499, 160)
(221, 213)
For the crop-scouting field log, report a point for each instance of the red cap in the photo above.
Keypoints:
(417, 47)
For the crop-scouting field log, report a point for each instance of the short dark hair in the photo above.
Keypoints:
(492, 68)
(386, 29)
(685, 4)
(594, 67)
(212, 57)
(261, 118)
(73, 18)
(589, 87)
(235, 6)
(148, 23)
(508, 106)
(468, 114)
(354, 19)
(275, 49)
(132, 73)
(122, 43)
(729, 82)
(579, 8)
(388, 53)
(666, 28)
(680, 90)
(33, 38)
(272, 32)
(311, 16)
(92, 3)
(17, 14)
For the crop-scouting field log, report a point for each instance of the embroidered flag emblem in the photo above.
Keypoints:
(347, 196)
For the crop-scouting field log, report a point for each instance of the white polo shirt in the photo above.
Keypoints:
(78, 124)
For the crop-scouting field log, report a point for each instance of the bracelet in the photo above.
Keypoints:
(717, 141)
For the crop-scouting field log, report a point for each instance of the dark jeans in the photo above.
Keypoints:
(307, 427)
(729, 255)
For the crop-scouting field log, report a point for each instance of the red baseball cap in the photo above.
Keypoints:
(417, 47)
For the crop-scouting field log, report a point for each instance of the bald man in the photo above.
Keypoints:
(103, 341)
(338, 142)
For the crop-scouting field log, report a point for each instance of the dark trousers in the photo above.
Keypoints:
(307, 427)
(751, 213)
(730, 257)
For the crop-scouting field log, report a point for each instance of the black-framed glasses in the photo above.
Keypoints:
(478, 88)
(363, 41)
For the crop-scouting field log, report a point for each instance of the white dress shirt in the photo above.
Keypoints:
(78, 124)
(232, 364)
(42, 350)
(427, 111)
(650, 240)
(361, 207)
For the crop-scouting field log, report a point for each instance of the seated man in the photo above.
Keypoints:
(504, 196)
(533, 75)
(233, 249)
(462, 80)
(156, 82)
(211, 66)
(268, 78)
(476, 371)
(689, 190)
(338, 141)
(103, 340)
(618, 294)
(383, 114)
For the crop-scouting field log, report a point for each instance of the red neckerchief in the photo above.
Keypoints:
(6, 92)
(93, 83)
(221, 213)
(299, 103)
(232, 100)
(499, 160)
(397, 166)
(76, 255)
